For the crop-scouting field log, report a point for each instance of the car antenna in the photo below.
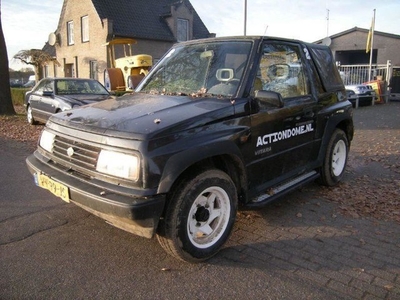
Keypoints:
(265, 31)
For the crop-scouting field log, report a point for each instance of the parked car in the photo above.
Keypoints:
(217, 123)
(15, 83)
(364, 93)
(352, 97)
(53, 95)
(29, 84)
(371, 91)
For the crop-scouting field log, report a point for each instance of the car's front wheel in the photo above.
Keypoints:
(200, 216)
(29, 116)
(335, 161)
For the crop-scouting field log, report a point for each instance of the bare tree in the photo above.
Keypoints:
(37, 58)
(6, 105)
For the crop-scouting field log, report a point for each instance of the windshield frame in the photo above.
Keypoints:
(215, 68)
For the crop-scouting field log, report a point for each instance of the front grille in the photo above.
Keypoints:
(74, 154)
(78, 158)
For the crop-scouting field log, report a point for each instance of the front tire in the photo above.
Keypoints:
(335, 160)
(29, 116)
(200, 216)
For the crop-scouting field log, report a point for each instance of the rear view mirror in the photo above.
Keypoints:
(47, 93)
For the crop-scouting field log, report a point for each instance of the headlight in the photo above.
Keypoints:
(47, 141)
(118, 164)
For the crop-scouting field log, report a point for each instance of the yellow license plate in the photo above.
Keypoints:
(56, 188)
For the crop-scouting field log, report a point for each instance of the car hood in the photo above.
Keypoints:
(141, 116)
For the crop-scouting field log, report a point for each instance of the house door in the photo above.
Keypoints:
(68, 70)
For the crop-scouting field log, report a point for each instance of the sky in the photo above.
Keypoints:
(28, 23)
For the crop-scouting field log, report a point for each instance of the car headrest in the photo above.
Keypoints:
(224, 74)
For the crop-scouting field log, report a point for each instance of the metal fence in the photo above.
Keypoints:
(381, 75)
(358, 74)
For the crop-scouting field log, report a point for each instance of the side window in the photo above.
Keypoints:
(93, 70)
(85, 29)
(70, 32)
(281, 70)
(46, 70)
(182, 30)
(41, 86)
(48, 87)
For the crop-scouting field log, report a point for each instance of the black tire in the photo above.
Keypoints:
(335, 160)
(193, 230)
(29, 116)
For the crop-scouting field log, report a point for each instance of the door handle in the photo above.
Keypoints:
(308, 113)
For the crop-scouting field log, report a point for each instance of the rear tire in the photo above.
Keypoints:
(335, 160)
(200, 216)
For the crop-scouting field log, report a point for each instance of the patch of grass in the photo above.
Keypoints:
(18, 95)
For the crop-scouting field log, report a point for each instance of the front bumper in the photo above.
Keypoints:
(138, 215)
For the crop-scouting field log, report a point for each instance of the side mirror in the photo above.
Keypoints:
(47, 93)
(269, 98)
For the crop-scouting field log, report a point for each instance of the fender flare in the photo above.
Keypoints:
(181, 161)
(341, 121)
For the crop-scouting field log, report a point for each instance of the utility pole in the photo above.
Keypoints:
(327, 22)
(245, 16)
(372, 29)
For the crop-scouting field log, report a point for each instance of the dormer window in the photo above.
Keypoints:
(182, 30)
(70, 32)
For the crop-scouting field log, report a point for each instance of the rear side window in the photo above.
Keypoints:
(326, 67)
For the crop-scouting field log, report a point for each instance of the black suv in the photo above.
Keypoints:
(218, 123)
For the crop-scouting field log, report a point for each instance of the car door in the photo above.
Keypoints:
(48, 99)
(35, 100)
(283, 136)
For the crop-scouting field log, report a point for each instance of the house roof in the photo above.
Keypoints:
(145, 18)
(51, 50)
(360, 30)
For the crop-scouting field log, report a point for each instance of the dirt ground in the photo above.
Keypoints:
(371, 186)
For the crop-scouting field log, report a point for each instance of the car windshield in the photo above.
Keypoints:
(213, 68)
(85, 87)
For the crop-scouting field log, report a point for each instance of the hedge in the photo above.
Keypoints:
(18, 95)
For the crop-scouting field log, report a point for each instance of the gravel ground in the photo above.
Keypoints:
(371, 187)
(16, 128)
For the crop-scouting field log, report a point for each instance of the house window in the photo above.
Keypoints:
(85, 29)
(46, 71)
(70, 32)
(93, 70)
(182, 30)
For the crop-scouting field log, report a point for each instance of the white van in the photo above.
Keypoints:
(31, 81)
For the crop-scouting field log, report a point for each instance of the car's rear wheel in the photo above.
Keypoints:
(200, 216)
(29, 116)
(335, 161)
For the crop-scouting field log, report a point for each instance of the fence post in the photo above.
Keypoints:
(387, 80)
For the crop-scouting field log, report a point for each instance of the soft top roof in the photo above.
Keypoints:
(326, 67)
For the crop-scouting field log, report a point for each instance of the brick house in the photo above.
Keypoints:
(85, 26)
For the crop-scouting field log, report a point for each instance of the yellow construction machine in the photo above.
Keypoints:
(126, 72)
